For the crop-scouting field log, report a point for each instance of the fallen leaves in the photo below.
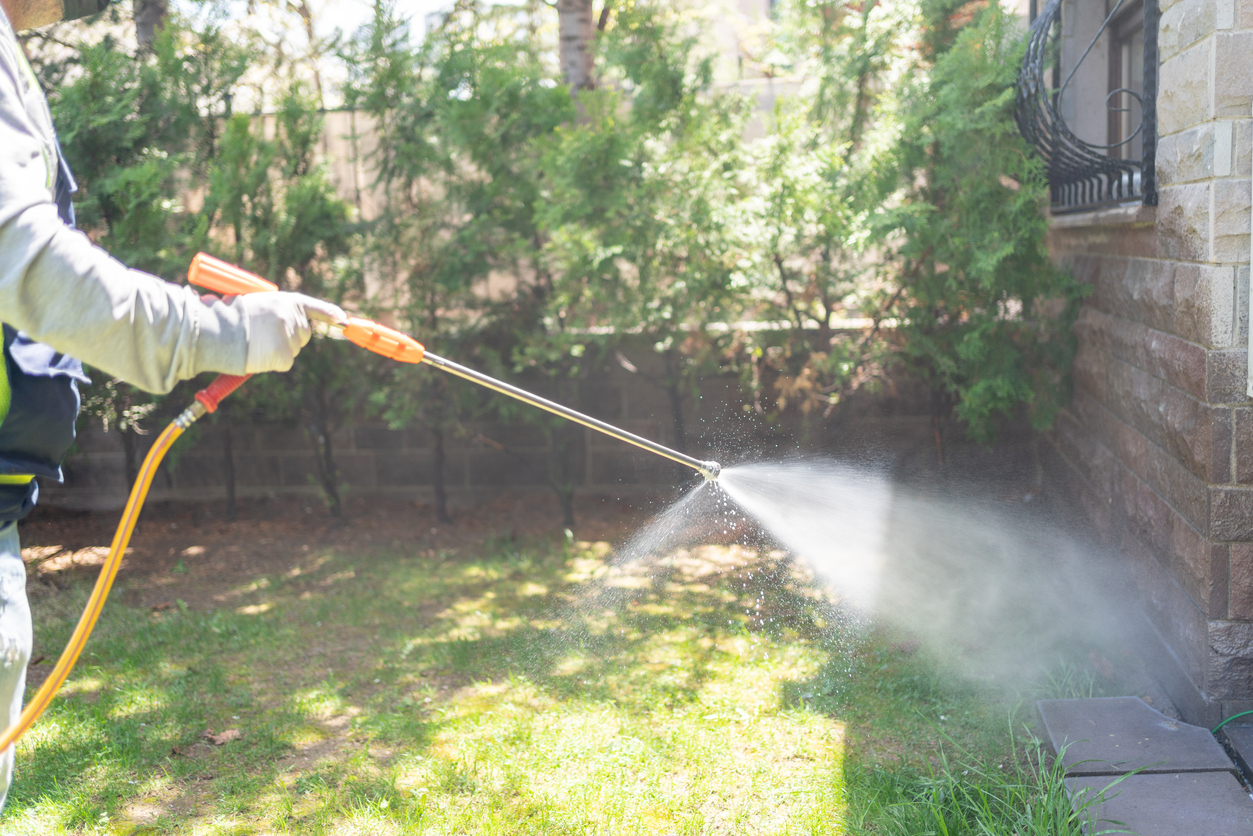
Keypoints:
(210, 737)
(221, 739)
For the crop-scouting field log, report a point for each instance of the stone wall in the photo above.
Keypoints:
(1158, 440)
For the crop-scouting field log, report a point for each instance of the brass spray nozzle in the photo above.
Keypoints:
(710, 471)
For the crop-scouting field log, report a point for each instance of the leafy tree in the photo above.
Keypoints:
(131, 126)
(529, 226)
(985, 315)
(112, 120)
(455, 118)
(642, 206)
(895, 189)
(386, 81)
(139, 130)
(287, 224)
(823, 181)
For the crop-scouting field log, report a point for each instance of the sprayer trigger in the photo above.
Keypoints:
(331, 330)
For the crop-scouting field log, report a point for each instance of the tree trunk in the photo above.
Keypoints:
(565, 495)
(331, 477)
(130, 449)
(576, 30)
(441, 492)
(306, 17)
(561, 475)
(439, 415)
(675, 391)
(330, 483)
(150, 18)
(228, 470)
(328, 473)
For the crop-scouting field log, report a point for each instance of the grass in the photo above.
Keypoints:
(518, 689)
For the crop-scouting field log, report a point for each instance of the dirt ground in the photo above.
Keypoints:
(193, 554)
(190, 552)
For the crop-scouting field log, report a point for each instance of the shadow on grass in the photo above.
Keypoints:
(527, 687)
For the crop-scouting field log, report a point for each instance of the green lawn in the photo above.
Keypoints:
(519, 687)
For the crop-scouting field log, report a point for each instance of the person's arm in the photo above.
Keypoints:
(60, 289)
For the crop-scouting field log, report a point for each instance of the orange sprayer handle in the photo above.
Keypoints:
(383, 340)
(216, 275)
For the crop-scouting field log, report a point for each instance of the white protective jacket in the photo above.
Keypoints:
(60, 289)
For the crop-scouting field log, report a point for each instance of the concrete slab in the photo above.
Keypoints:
(1116, 735)
(1196, 804)
(1240, 741)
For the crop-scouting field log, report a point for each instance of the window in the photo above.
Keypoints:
(1126, 82)
(1086, 100)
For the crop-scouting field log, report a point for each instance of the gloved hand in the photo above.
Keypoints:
(278, 326)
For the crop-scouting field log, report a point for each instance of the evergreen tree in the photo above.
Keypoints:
(643, 208)
(985, 315)
(824, 176)
(456, 120)
(282, 220)
(132, 127)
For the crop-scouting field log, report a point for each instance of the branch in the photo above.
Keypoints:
(514, 454)
(44, 36)
(787, 292)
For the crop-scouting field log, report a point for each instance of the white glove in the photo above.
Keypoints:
(277, 323)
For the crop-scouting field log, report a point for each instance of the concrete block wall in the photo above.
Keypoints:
(1158, 440)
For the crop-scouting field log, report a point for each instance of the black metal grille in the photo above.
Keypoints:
(1083, 174)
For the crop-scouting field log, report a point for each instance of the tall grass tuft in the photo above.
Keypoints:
(1025, 795)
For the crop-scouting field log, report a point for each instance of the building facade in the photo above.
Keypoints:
(1143, 110)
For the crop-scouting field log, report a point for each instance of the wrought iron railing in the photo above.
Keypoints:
(1084, 174)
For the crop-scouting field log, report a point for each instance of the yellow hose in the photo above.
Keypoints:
(130, 515)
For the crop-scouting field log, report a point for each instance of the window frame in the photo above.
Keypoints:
(1124, 30)
(1085, 174)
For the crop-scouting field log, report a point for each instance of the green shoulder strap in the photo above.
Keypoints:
(6, 397)
(6, 394)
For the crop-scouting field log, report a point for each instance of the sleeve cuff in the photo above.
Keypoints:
(221, 338)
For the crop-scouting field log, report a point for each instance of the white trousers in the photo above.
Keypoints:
(15, 642)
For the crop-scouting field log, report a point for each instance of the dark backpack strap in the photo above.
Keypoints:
(65, 187)
(39, 427)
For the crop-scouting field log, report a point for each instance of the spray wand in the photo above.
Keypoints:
(209, 272)
(216, 275)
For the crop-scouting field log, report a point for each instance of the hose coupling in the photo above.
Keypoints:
(190, 415)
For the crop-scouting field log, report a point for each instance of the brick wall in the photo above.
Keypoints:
(1158, 440)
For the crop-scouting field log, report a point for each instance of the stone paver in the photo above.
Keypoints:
(1186, 784)
(1240, 739)
(1191, 804)
(1115, 735)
